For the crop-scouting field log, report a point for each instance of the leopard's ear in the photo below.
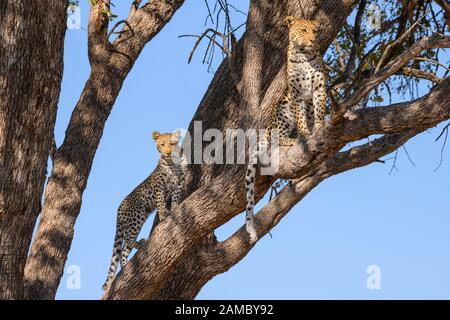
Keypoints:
(290, 20)
(156, 135)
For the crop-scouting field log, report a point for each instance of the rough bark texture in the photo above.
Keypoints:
(110, 65)
(31, 66)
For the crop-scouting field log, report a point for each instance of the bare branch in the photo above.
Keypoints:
(98, 44)
(445, 133)
(222, 47)
(408, 156)
(394, 163)
(410, 72)
(432, 61)
(340, 55)
(229, 53)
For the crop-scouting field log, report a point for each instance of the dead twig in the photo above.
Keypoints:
(212, 39)
(444, 133)
(229, 52)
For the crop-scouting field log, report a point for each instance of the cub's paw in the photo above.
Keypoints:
(163, 215)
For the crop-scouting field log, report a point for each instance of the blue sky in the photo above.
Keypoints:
(321, 250)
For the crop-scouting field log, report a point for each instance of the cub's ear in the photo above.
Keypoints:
(290, 20)
(156, 135)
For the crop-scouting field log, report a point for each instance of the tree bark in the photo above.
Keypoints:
(110, 64)
(31, 67)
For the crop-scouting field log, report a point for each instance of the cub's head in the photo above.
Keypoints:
(302, 33)
(166, 142)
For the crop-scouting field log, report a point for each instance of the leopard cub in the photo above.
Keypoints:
(167, 180)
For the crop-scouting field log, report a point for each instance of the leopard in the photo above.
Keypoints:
(165, 182)
(301, 111)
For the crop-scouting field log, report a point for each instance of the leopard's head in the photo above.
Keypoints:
(166, 142)
(302, 33)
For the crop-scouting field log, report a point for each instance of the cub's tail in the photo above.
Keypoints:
(117, 250)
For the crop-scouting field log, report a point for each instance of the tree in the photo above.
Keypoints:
(182, 253)
(31, 52)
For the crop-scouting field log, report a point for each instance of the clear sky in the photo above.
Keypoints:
(321, 250)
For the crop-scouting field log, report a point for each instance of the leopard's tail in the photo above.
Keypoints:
(250, 177)
(117, 249)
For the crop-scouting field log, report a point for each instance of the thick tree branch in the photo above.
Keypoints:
(224, 255)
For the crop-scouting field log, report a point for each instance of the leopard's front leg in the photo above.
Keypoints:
(301, 117)
(319, 103)
(161, 204)
(177, 195)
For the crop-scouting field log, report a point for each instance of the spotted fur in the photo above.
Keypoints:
(302, 110)
(167, 180)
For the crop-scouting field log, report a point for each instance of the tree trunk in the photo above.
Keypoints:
(66, 184)
(31, 66)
